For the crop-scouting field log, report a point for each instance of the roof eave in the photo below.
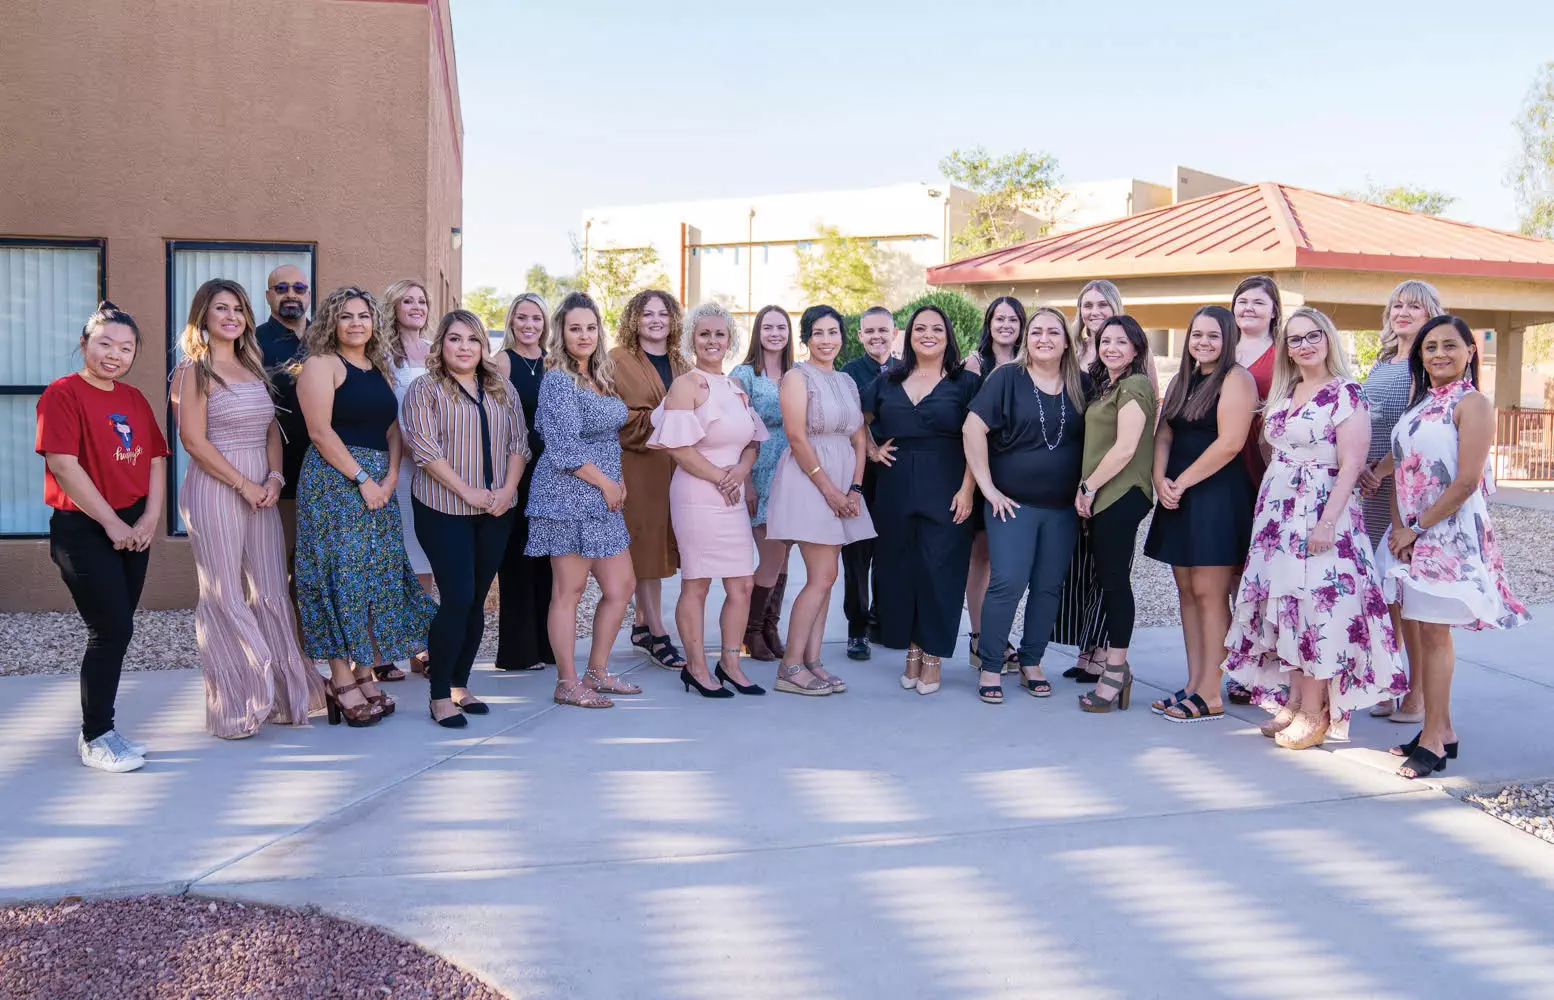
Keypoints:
(1330, 260)
(957, 273)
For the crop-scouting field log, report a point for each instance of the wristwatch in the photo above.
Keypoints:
(1411, 522)
(1084, 487)
(855, 488)
(360, 477)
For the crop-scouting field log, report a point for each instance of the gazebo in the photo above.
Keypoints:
(1337, 254)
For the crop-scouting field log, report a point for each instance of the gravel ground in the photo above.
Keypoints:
(184, 948)
(1529, 807)
(164, 640)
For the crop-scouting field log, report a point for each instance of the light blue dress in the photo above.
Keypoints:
(762, 392)
(567, 515)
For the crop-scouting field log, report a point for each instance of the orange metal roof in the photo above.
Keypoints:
(1261, 227)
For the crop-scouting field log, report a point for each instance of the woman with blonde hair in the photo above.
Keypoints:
(576, 498)
(357, 596)
(406, 313)
(466, 433)
(647, 360)
(1310, 639)
(523, 640)
(1387, 391)
(254, 671)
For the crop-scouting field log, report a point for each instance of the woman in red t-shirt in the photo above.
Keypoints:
(104, 455)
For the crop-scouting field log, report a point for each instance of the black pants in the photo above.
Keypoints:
(105, 584)
(1113, 533)
(857, 582)
(523, 632)
(465, 551)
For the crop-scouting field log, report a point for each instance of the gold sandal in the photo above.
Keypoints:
(608, 683)
(579, 694)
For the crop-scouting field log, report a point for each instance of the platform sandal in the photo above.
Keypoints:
(657, 648)
(1159, 707)
(1120, 680)
(355, 716)
(1192, 709)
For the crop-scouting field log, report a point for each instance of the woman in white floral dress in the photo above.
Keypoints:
(1310, 617)
(1440, 559)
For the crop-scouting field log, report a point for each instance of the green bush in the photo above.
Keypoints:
(1367, 345)
(965, 316)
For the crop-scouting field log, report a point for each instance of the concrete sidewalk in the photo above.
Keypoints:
(870, 844)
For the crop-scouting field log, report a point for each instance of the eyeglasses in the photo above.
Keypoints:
(295, 287)
(1300, 340)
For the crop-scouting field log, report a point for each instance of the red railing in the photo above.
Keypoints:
(1524, 445)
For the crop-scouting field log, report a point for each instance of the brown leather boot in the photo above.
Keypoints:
(755, 640)
(769, 630)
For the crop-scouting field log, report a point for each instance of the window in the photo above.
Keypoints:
(191, 264)
(47, 290)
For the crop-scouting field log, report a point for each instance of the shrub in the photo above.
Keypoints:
(965, 316)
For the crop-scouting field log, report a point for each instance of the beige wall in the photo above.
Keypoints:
(271, 120)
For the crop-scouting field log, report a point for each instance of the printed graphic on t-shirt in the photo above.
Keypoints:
(127, 451)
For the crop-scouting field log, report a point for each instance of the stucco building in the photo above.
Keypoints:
(148, 147)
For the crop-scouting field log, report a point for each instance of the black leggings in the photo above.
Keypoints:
(105, 583)
(522, 634)
(465, 551)
(1113, 533)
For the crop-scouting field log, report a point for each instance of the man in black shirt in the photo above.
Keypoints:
(280, 337)
(877, 333)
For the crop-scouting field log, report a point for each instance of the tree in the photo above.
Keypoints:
(489, 304)
(1420, 201)
(613, 276)
(1006, 187)
(1532, 172)
(840, 271)
(551, 288)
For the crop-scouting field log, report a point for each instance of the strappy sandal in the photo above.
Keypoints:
(914, 668)
(1236, 694)
(1192, 709)
(785, 681)
(933, 663)
(579, 694)
(993, 694)
(818, 669)
(1082, 674)
(380, 702)
(1421, 764)
(1036, 687)
(1159, 707)
(1011, 659)
(1407, 749)
(388, 672)
(608, 683)
(657, 648)
(1121, 684)
(355, 716)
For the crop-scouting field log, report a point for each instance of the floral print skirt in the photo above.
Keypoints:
(355, 586)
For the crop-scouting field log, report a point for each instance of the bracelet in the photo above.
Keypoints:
(855, 488)
(277, 477)
(811, 472)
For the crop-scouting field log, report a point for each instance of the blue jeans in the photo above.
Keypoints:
(1031, 549)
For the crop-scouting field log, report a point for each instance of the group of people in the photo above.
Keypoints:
(357, 481)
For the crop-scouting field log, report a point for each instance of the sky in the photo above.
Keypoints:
(569, 104)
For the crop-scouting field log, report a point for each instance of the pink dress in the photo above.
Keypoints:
(714, 538)
(796, 510)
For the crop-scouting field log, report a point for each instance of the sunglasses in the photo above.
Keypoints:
(1313, 338)
(295, 287)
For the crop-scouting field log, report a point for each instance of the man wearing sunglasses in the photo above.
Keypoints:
(280, 337)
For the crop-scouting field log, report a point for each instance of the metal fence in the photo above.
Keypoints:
(1524, 445)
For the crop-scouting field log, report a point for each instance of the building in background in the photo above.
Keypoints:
(148, 147)
(744, 252)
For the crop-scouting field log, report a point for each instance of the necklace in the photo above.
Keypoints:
(1041, 415)
(533, 366)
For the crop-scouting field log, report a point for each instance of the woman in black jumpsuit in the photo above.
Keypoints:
(923, 496)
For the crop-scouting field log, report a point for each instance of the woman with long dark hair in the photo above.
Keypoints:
(244, 624)
(1441, 561)
(1003, 325)
(1024, 442)
(104, 459)
(923, 498)
(1203, 515)
(1116, 491)
(767, 361)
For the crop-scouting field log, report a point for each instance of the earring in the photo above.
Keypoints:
(204, 336)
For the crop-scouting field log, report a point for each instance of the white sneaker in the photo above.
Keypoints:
(105, 756)
(124, 744)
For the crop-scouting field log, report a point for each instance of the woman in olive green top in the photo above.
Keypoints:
(1117, 490)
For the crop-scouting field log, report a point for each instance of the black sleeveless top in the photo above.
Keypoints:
(525, 374)
(364, 408)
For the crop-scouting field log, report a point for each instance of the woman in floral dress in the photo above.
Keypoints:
(1310, 604)
(1441, 560)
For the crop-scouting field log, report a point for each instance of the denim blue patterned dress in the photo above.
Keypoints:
(566, 515)
(762, 392)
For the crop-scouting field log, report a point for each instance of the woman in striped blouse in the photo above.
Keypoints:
(467, 436)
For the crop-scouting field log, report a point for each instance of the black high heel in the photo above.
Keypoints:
(1407, 749)
(722, 675)
(690, 681)
(454, 721)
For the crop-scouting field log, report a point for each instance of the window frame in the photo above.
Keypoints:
(175, 326)
(100, 244)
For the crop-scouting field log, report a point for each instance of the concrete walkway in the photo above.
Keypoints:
(871, 844)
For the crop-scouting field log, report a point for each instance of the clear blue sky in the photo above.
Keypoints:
(573, 103)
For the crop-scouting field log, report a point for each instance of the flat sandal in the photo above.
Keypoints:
(579, 694)
(608, 683)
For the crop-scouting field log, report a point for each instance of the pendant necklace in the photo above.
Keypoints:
(1041, 415)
